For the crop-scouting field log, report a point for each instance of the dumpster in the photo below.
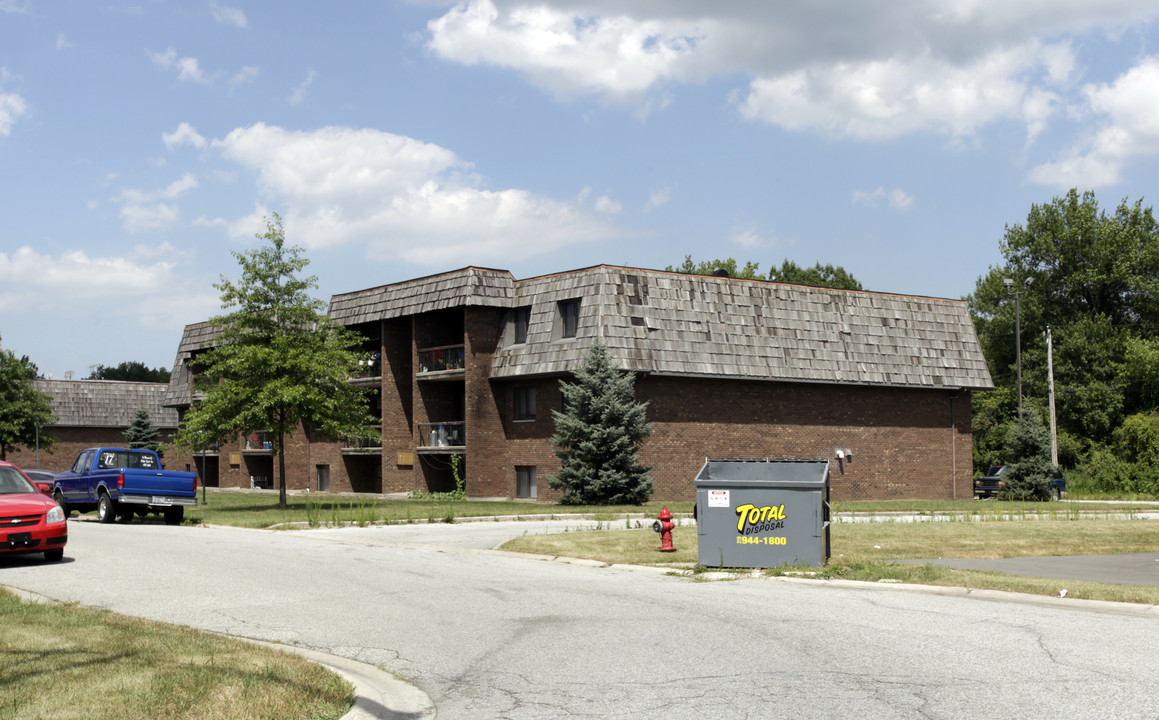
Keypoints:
(763, 513)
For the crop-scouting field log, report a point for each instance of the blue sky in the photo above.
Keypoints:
(141, 142)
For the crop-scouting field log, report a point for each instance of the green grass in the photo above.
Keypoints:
(66, 661)
(867, 551)
(261, 510)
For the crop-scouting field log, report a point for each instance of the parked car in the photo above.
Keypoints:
(29, 521)
(995, 482)
(42, 479)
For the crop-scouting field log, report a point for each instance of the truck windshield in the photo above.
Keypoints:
(126, 459)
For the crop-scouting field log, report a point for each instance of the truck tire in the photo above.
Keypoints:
(1056, 493)
(174, 515)
(54, 555)
(58, 496)
(106, 509)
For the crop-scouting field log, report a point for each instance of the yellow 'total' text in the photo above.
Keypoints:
(752, 515)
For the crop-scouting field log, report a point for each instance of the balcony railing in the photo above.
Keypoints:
(434, 436)
(257, 441)
(369, 366)
(361, 443)
(441, 359)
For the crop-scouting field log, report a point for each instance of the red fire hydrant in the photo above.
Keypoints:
(664, 526)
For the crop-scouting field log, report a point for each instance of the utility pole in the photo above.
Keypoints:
(1009, 284)
(1050, 394)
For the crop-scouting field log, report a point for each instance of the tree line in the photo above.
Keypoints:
(1094, 277)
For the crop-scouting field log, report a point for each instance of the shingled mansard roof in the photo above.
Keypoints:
(196, 336)
(668, 323)
(107, 403)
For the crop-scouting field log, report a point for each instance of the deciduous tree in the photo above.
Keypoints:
(1095, 283)
(24, 410)
(819, 275)
(278, 362)
(130, 370)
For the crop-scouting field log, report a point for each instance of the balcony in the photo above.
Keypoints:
(369, 370)
(443, 437)
(441, 363)
(257, 443)
(361, 445)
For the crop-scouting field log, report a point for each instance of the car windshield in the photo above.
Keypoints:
(13, 482)
(994, 470)
(126, 459)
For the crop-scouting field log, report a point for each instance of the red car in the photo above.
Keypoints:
(29, 521)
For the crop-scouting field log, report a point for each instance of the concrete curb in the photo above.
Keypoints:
(378, 695)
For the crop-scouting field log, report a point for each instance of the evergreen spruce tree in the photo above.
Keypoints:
(141, 433)
(598, 434)
(1028, 446)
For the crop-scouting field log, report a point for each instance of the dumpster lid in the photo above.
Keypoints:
(763, 472)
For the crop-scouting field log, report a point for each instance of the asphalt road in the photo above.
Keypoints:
(492, 635)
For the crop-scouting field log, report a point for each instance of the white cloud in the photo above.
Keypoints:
(608, 206)
(12, 108)
(187, 68)
(62, 42)
(155, 292)
(245, 75)
(1130, 110)
(401, 197)
(174, 189)
(896, 96)
(658, 198)
(185, 134)
(23, 7)
(897, 198)
(866, 69)
(565, 54)
(227, 15)
(750, 239)
(139, 218)
(298, 94)
(141, 211)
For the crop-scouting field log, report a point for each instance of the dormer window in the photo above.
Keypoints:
(520, 319)
(569, 317)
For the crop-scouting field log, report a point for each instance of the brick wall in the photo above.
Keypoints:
(486, 438)
(71, 440)
(902, 441)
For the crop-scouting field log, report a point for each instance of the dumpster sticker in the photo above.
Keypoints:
(718, 498)
(752, 519)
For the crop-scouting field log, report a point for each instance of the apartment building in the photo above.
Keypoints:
(468, 363)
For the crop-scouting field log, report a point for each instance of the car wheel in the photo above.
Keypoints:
(106, 510)
(54, 555)
(125, 515)
(58, 496)
(174, 515)
(1056, 493)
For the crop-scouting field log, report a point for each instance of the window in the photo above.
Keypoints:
(569, 317)
(524, 403)
(520, 318)
(323, 478)
(525, 486)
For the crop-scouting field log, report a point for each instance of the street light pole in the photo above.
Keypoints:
(1009, 283)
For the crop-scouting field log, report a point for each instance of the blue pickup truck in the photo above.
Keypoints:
(119, 483)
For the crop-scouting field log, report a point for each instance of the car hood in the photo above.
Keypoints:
(25, 504)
